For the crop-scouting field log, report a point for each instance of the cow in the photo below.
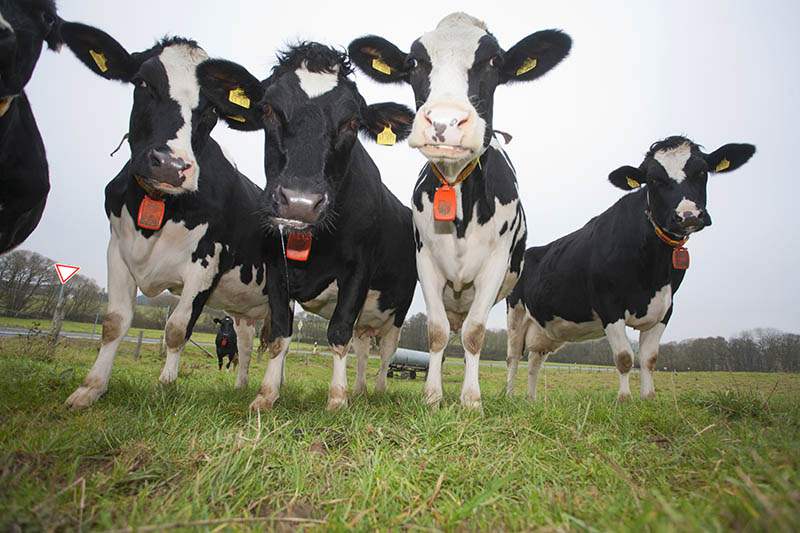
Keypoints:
(469, 225)
(182, 217)
(226, 341)
(24, 175)
(622, 268)
(338, 241)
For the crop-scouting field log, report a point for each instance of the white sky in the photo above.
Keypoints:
(716, 71)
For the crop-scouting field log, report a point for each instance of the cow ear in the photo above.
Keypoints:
(387, 123)
(234, 92)
(217, 321)
(729, 157)
(379, 59)
(99, 51)
(627, 178)
(535, 55)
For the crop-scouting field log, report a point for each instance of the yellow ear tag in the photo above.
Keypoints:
(632, 183)
(99, 59)
(237, 118)
(381, 66)
(238, 97)
(387, 136)
(527, 66)
(722, 165)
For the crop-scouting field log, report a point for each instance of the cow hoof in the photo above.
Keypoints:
(360, 389)
(649, 395)
(471, 400)
(263, 403)
(241, 383)
(432, 397)
(337, 397)
(380, 387)
(165, 381)
(82, 398)
(624, 397)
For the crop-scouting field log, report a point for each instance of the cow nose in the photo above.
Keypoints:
(166, 168)
(300, 205)
(694, 219)
(445, 124)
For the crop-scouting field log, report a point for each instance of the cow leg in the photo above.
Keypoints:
(623, 355)
(337, 392)
(197, 287)
(516, 343)
(361, 347)
(269, 393)
(220, 358)
(648, 354)
(245, 331)
(535, 362)
(388, 346)
(432, 282)
(121, 302)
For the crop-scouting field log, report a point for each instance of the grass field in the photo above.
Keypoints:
(712, 452)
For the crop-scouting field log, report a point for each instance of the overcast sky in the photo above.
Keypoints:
(715, 71)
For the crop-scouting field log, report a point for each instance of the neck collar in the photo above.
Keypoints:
(152, 192)
(663, 234)
(464, 174)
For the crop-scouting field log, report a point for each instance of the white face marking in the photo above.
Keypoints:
(4, 24)
(317, 83)
(673, 161)
(451, 48)
(687, 205)
(180, 62)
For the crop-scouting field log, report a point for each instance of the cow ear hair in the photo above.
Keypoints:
(234, 92)
(217, 321)
(729, 157)
(376, 118)
(534, 55)
(627, 178)
(100, 52)
(379, 59)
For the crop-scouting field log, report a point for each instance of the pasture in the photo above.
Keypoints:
(712, 452)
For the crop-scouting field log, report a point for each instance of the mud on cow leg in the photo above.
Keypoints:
(268, 393)
(337, 393)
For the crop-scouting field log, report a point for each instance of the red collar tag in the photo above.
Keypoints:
(151, 213)
(224, 342)
(680, 258)
(444, 203)
(298, 246)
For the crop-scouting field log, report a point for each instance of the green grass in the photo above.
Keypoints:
(712, 452)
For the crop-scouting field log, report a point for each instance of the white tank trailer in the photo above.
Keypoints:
(408, 362)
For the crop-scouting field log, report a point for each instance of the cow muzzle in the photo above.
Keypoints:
(692, 220)
(445, 131)
(166, 169)
(298, 210)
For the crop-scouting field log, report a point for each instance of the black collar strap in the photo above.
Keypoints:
(152, 192)
(663, 234)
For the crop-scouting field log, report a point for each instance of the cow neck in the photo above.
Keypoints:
(464, 174)
(151, 191)
(663, 234)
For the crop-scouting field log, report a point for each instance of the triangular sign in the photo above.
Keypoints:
(66, 271)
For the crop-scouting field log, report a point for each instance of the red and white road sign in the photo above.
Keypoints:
(65, 272)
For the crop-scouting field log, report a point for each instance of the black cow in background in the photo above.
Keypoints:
(226, 342)
(182, 217)
(622, 268)
(24, 176)
(349, 241)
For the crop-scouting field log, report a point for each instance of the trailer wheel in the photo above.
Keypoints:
(404, 375)
(413, 375)
(389, 374)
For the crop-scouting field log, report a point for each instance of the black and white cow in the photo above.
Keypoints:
(182, 217)
(622, 268)
(468, 264)
(24, 177)
(348, 240)
(226, 341)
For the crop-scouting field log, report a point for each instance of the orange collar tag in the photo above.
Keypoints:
(444, 203)
(680, 258)
(298, 246)
(151, 213)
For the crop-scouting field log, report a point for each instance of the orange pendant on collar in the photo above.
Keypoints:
(151, 213)
(298, 246)
(224, 342)
(680, 258)
(444, 203)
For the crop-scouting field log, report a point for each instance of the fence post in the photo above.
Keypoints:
(138, 346)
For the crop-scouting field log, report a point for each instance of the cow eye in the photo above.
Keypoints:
(413, 63)
(48, 19)
(495, 61)
(139, 82)
(267, 110)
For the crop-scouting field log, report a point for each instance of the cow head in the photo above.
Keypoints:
(226, 331)
(24, 26)
(311, 114)
(170, 120)
(454, 71)
(675, 172)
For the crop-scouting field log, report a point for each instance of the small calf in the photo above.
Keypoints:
(226, 342)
